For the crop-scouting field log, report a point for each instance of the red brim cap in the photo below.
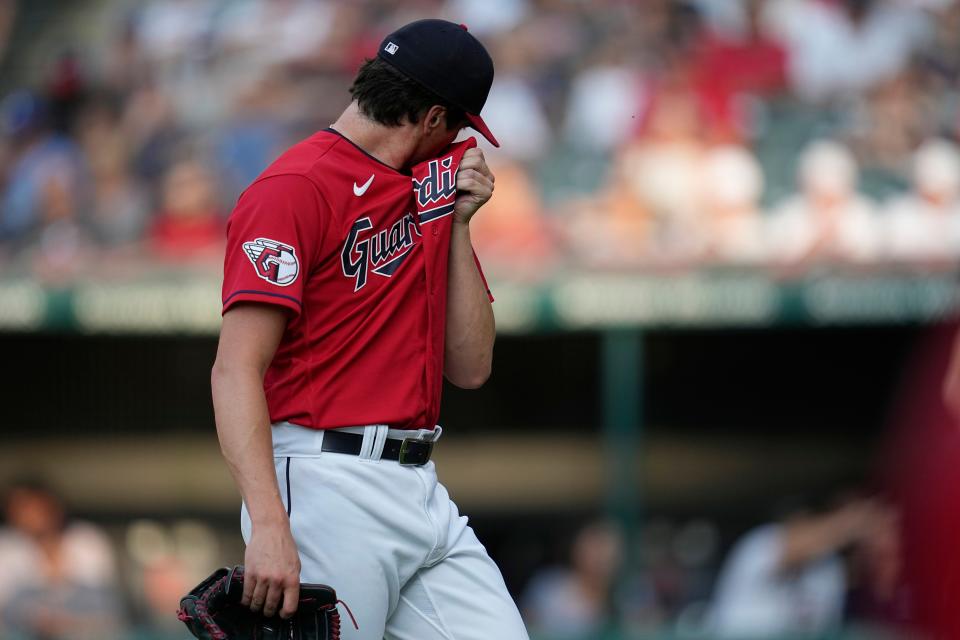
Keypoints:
(476, 122)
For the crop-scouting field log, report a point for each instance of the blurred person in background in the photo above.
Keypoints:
(61, 245)
(119, 205)
(661, 168)
(189, 224)
(739, 48)
(173, 32)
(789, 577)
(514, 105)
(583, 600)
(254, 133)
(838, 48)
(886, 125)
(876, 596)
(828, 220)
(677, 559)
(606, 97)
(513, 234)
(258, 34)
(923, 226)
(732, 183)
(40, 161)
(738, 59)
(150, 126)
(489, 17)
(59, 576)
(938, 59)
(612, 228)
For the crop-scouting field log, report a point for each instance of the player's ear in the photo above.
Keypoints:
(435, 118)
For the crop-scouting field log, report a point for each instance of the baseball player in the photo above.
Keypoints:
(350, 289)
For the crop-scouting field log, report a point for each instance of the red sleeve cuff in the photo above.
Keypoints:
(266, 297)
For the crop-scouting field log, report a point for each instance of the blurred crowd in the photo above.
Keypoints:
(813, 572)
(664, 133)
(67, 578)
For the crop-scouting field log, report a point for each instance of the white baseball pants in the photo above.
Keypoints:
(390, 541)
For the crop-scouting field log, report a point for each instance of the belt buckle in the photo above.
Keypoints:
(414, 452)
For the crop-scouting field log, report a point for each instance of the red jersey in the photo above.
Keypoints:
(357, 252)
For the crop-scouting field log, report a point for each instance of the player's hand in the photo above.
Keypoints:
(474, 185)
(271, 570)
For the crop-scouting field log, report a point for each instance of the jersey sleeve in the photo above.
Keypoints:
(273, 237)
(486, 287)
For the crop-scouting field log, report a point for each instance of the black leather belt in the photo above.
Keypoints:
(408, 451)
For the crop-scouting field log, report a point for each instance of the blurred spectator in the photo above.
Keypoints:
(512, 234)
(828, 221)
(150, 125)
(579, 602)
(513, 108)
(838, 48)
(924, 226)
(738, 57)
(661, 169)
(789, 578)
(685, 100)
(258, 34)
(888, 122)
(189, 224)
(732, 228)
(171, 31)
(662, 177)
(125, 64)
(607, 100)
(42, 162)
(876, 597)
(59, 577)
(61, 243)
(66, 90)
(254, 133)
(119, 204)
(941, 52)
(614, 228)
(939, 60)
(678, 560)
(488, 17)
(166, 562)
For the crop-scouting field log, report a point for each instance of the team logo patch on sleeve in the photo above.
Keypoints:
(274, 261)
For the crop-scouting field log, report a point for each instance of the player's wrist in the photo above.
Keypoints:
(271, 518)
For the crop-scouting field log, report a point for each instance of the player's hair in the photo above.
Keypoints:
(387, 96)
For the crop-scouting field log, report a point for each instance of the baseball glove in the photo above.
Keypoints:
(212, 611)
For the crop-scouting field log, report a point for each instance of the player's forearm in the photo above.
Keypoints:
(470, 330)
(243, 427)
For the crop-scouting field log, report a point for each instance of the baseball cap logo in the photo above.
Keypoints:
(391, 48)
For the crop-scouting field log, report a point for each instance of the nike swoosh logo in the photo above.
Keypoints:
(359, 191)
